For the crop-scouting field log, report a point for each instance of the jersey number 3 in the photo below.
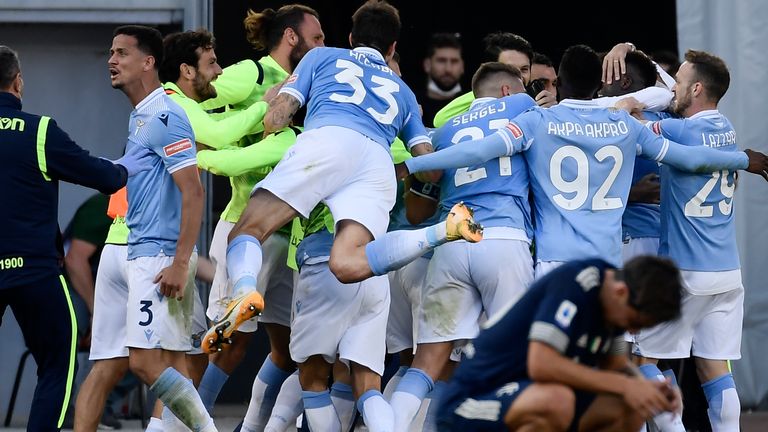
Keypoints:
(351, 74)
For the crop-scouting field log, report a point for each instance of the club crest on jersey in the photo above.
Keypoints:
(292, 78)
(515, 129)
(177, 147)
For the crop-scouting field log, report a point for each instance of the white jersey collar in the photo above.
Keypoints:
(705, 113)
(144, 102)
(371, 52)
(579, 103)
(480, 101)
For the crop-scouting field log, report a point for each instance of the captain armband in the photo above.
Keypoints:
(425, 190)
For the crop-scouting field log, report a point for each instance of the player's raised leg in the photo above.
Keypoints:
(354, 259)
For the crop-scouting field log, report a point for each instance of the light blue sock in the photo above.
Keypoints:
(210, 385)
(243, 262)
(180, 396)
(407, 399)
(430, 420)
(377, 413)
(665, 421)
(271, 378)
(651, 371)
(724, 406)
(669, 373)
(321, 415)
(397, 248)
(344, 402)
(394, 381)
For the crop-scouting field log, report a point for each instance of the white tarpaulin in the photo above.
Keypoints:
(737, 31)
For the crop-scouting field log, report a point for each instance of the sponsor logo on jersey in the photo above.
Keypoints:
(177, 147)
(515, 129)
(12, 124)
(565, 313)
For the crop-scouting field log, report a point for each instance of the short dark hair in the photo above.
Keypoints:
(655, 287)
(375, 24)
(148, 40)
(669, 57)
(542, 59)
(9, 66)
(641, 67)
(443, 40)
(497, 42)
(180, 48)
(580, 72)
(711, 71)
(490, 70)
(265, 29)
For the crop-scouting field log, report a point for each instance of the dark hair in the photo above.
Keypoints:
(148, 40)
(669, 57)
(491, 70)
(497, 42)
(711, 71)
(9, 66)
(580, 73)
(443, 40)
(265, 29)
(180, 48)
(655, 287)
(641, 68)
(375, 24)
(542, 59)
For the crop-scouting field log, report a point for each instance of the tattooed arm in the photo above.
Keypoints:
(280, 112)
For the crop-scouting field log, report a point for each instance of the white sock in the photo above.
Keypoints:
(244, 258)
(321, 415)
(724, 406)
(392, 383)
(344, 403)
(377, 413)
(170, 423)
(287, 408)
(180, 396)
(155, 425)
(397, 248)
(266, 387)
(406, 400)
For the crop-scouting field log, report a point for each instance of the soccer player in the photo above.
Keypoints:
(580, 157)
(641, 224)
(286, 34)
(333, 319)
(347, 167)
(164, 214)
(36, 155)
(463, 279)
(699, 236)
(557, 359)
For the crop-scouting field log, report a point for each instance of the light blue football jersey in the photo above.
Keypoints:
(642, 219)
(154, 200)
(357, 90)
(580, 158)
(496, 190)
(697, 222)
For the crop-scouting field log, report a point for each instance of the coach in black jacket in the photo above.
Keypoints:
(34, 155)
